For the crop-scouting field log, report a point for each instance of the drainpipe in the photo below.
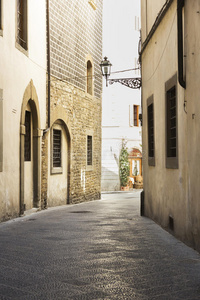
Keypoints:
(48, 68)
(180, 5)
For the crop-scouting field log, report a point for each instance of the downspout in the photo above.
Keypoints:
(48, 69)
(180, 5)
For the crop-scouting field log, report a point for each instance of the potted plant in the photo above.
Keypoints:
(124, 167)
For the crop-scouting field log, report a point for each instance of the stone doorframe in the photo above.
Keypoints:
(30, 96)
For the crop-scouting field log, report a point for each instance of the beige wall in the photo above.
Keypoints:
(17, 70)
(174, 192)
(166, 189)
(149, 12)
(192, 95)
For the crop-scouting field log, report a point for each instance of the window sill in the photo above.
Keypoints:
(151, 161)
(20, 48)
(89, 95)
(171, 162)
(89, 168)
(56, 171)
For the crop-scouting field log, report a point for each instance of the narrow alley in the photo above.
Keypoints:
(101, 249)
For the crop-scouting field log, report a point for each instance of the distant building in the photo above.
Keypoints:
(50, 104)
(121, 105)
(171, 126)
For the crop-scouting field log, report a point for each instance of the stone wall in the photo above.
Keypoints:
(75, 38)
(83, 114)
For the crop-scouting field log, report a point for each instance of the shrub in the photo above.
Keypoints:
(124, 167)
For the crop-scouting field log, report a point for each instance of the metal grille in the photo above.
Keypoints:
(56, 148)
(27, 141)
(89, 150)
(135, 115)
(21, 23)
(151, 130)
(171, 122)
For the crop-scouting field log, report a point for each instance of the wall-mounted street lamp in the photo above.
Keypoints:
(133, 83)
(105, 68)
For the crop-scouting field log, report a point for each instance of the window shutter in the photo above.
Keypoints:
(56, 148)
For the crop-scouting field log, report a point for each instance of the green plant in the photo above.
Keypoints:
(124, 167)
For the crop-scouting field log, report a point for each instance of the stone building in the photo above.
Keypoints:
(71, 167)
(50, 103)
(22, 104)
(171, 115)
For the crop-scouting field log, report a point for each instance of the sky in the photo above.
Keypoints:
(120, 44)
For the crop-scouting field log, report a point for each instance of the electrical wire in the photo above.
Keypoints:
(85, 76)
(146, 80)
(126, 70)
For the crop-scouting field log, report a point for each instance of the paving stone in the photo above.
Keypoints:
(96, 250)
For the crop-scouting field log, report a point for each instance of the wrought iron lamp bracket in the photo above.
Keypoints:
(133, 83)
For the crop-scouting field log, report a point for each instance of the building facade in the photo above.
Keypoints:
(120, 105)
(22, 104)
(50, 104)
(170, 108)
(71, 168)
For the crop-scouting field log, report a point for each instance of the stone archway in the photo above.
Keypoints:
(135, 161)
(30, 99)
(59, 114)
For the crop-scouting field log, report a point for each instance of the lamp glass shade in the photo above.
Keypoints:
(106, 67)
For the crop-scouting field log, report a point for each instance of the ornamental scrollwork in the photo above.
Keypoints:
(133, 83)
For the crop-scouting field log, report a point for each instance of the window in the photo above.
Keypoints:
(136, 115)
(150, 116)
(57, 148)
(89, 77)
(89, 150)
(27, 141)
(171, 124)
(22, 23)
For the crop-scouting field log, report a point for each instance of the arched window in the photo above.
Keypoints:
(89, 77)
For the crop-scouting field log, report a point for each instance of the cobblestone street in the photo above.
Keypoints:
(96, 250)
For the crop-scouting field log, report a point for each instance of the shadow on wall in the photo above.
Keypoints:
(109, 180)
